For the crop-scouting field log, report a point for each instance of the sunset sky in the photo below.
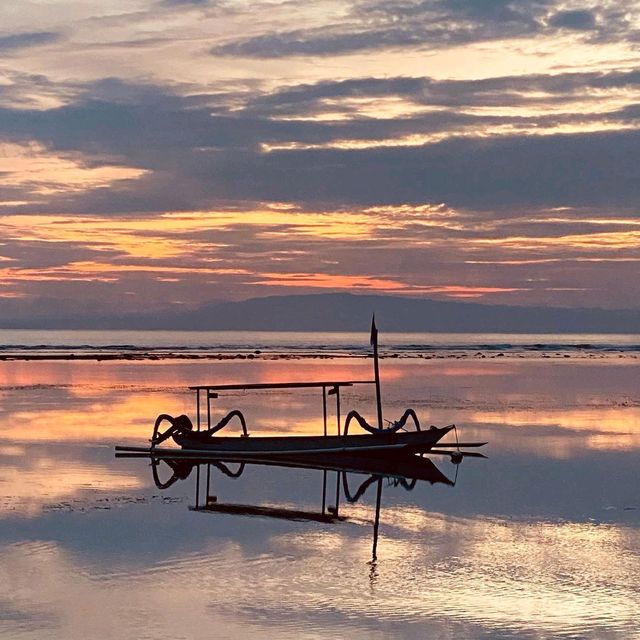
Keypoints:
(158, 153)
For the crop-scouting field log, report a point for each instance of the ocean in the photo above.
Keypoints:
(27, 343)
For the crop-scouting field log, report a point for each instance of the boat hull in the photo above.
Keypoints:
(270, 446)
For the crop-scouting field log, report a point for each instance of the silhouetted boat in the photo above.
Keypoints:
(393, 439)
(413, 442)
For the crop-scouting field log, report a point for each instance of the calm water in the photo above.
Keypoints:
(542, 540)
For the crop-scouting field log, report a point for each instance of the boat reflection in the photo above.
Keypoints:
(338, 483)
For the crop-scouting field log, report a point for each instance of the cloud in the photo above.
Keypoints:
(418, 249)
(412, 23)
(515, 172)
(399, 23)
(498, 11)
(199, 152)
(130, 121)
(297, 171)
(579, 20)
(513, 175)
(26, 40)
(504, 91)
(340, 40)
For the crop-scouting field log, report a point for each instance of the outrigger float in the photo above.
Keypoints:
(201, 440)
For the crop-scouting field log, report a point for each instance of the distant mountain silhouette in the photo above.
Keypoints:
(347, 312)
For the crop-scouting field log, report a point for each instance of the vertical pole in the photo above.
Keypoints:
(376, 522)
(376, 369)
(206, 498)
(208, 410)
(197, 486)
(338, 408)
(324, 409)
(198, 407)
(337, 492)
(324, 490)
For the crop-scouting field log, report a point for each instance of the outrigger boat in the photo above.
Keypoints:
(194, 441)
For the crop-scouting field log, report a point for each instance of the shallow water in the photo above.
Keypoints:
(541, 540)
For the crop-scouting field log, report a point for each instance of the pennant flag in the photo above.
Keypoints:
(374, 330)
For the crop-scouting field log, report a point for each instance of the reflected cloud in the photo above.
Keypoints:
(565, 433)
(477, 576)
(460, 566)
(40, 483)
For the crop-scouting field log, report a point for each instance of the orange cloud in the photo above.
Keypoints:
(47, 173)
(340, 281)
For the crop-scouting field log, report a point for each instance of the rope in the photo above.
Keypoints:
(456, 456)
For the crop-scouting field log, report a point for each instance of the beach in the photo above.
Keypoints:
(539, 540)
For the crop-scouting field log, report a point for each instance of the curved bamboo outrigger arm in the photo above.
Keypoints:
(396, 481)
(223, 468)
(181, 470)
(399, 481)
(182, 424)
(392, 428)
(361, 489)
(236, 413)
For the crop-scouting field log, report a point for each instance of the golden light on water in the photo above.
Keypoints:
(105, 406)
(112, 415)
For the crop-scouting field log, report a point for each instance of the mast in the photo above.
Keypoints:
(376, 522)
(376, 368)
